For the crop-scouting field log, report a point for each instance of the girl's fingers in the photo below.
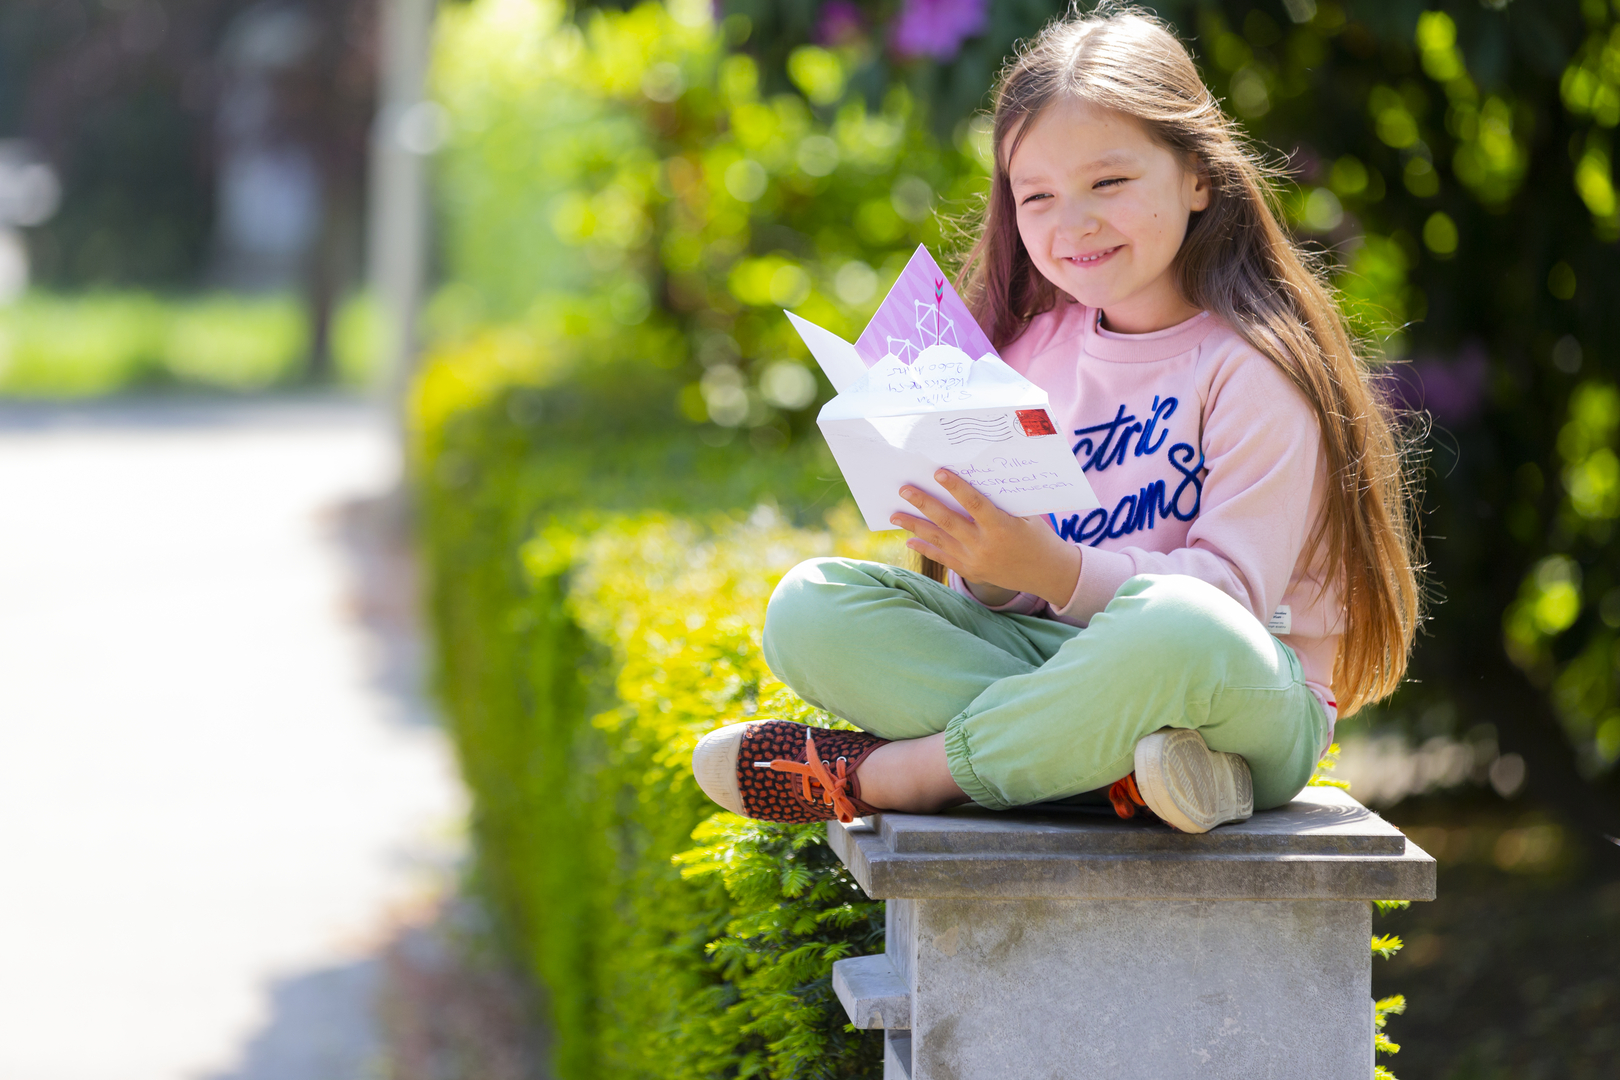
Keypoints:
(921, 528)
(924, 548)
(909, 522)
(934, 510)
(965, 493)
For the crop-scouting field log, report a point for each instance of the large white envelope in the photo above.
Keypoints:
(924, 402)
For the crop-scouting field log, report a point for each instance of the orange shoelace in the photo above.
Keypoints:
(1125, 796)
(834, 789)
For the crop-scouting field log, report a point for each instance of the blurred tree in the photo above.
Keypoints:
(1453, 160)
(126, 100)
(100, 92)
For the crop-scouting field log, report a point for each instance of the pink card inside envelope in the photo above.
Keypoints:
(921, 310)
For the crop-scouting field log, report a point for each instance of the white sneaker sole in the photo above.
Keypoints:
(714, 763)
(1190, 786)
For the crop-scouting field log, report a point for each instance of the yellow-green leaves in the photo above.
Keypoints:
(1561, 280)
(1440, 234)
(1556, 597)
(1591, 83)
(1376, 294)
(1323, 776)
(1594, 485)
(1490, 134)
(1594, 182)
(1548, 604)
(817, 73)
(1590, 88)
(1321, 210)
(745, 180)
(1348, 176)
(1491, 157)
(1392, 117)
(772, 280)
(1383, 1009)
(1386, 945)
(1586, 443)
(1437, 45)
(739, 79)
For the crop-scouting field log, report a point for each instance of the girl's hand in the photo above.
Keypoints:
(990, 546)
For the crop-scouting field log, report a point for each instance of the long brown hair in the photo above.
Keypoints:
(1239, 263)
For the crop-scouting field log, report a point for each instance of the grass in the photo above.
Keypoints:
(68, 346)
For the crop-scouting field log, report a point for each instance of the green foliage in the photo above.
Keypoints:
(626, 178)
(1383, 1009)
(796, 910)
(579, 675)
(1323, 776)
(54, 346)
(1386, 946)
(735, 976)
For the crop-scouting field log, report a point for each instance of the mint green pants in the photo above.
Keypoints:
(1035, 710)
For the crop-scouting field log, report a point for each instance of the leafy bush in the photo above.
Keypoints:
(580, 668)
(629, 179)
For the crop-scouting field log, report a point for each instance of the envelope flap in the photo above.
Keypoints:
(837, 357)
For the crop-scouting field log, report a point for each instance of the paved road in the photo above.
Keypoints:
(219, 788)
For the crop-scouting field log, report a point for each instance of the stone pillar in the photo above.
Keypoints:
(1027, 946)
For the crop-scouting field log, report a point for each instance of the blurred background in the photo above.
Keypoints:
(353, 347)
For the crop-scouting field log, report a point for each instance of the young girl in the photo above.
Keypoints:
(1250, 576)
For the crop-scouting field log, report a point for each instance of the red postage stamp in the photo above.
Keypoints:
(1036, 422)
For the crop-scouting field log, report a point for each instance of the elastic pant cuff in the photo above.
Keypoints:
(958, 758)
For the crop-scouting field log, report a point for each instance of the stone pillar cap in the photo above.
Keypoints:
(1322, 846)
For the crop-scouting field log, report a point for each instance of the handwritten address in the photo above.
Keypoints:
(1008, 475)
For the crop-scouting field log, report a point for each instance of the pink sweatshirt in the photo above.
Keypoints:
(1207, 462)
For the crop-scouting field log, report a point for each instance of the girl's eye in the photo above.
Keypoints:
(1031, 198)
(1112, 181)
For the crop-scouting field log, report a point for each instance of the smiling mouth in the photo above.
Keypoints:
(1095, 257)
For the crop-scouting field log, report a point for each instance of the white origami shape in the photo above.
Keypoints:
(925, 403)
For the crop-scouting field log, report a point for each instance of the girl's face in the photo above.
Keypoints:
(1102, 209)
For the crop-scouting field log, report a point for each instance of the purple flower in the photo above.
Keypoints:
(841, 22)
(1452, 391)
(937, 28)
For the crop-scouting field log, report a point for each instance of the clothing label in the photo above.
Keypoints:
(1281, 621)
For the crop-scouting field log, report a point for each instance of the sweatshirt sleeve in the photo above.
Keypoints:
(1256, 505)
(1021, 604)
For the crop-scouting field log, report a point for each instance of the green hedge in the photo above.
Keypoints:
(585, 642)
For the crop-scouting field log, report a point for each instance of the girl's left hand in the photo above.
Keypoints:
(990, 546)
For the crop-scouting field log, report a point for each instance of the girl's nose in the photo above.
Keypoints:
(1078, 220)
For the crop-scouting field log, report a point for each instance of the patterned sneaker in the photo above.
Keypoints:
(778, 770)
(1186, 784)
(1127, 798)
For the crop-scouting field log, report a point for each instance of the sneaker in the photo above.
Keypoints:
(778, 770)
(1189, 786)
(1127, 798)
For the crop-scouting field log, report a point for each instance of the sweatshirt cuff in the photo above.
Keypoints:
(1021, 604)
(1101, 575)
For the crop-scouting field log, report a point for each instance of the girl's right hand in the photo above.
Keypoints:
(991, 546)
